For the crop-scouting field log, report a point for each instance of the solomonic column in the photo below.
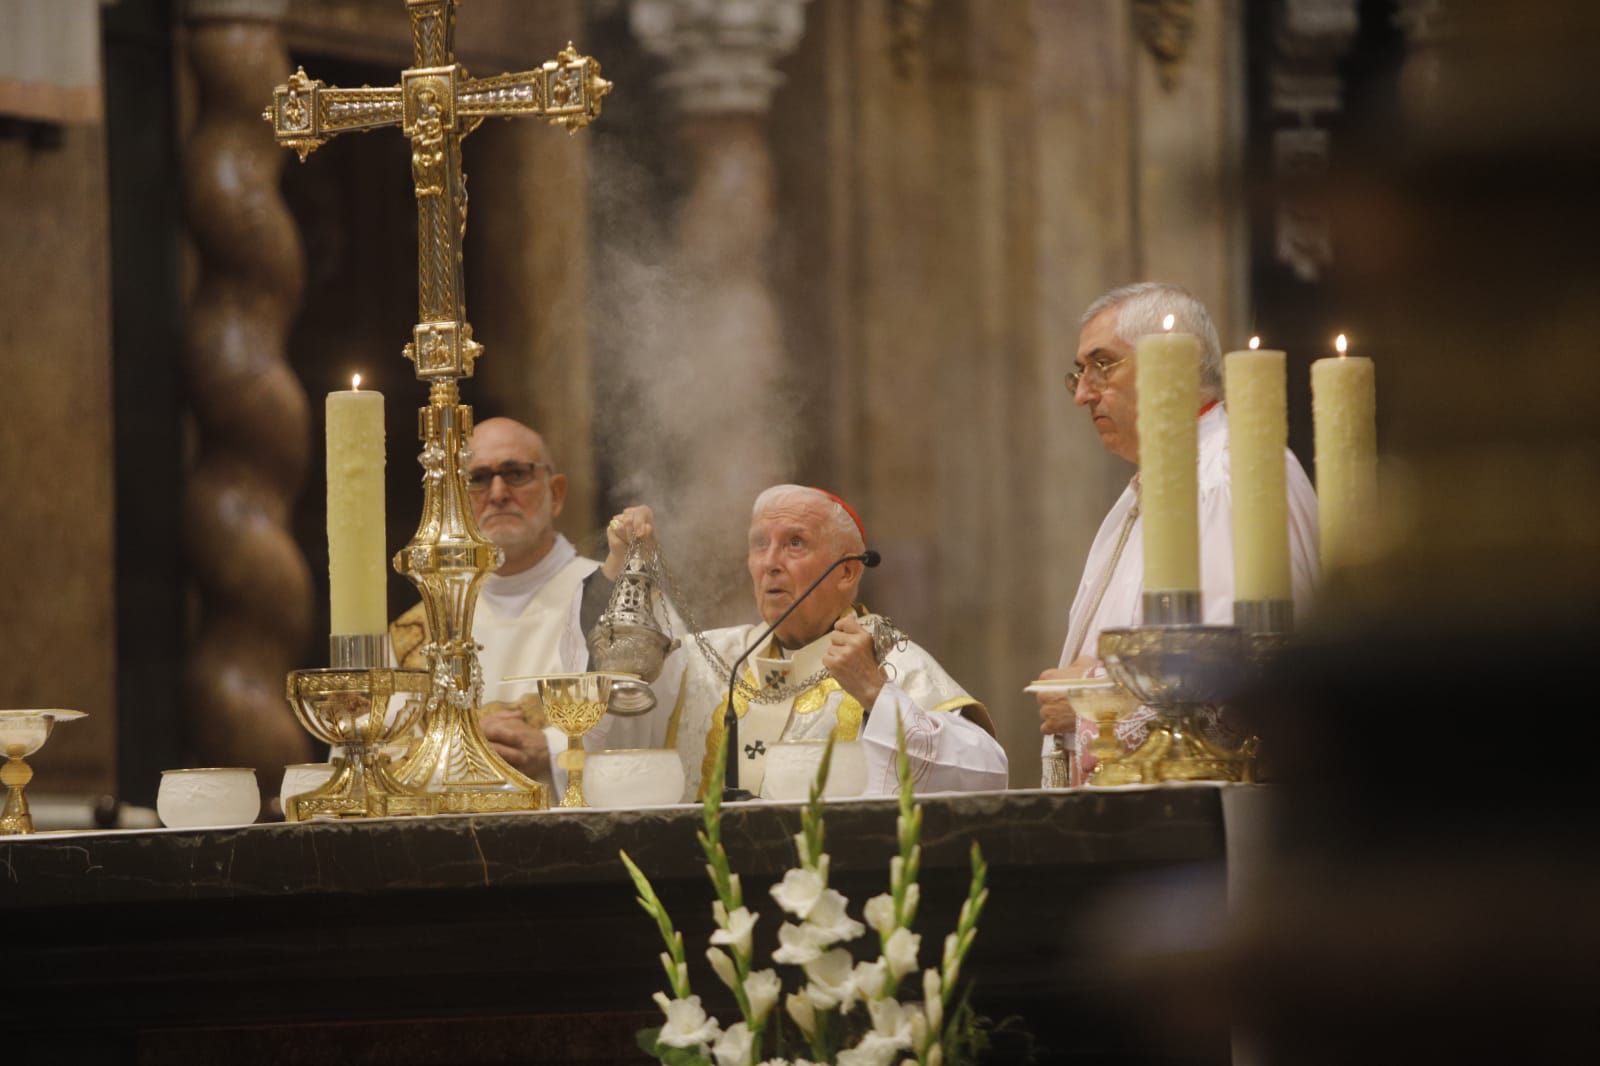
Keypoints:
(253, 425)
(727, 346)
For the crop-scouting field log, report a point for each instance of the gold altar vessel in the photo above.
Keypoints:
(359, 711)
(22, 733)
(436, 105)
(574, 704)
(1181, 671)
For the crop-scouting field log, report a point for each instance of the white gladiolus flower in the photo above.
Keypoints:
(797, 945)
(932, 998)
(800, 1009)
(798, 892)
(723, 966)
(736, 930)
(761, 989)
(734, 1046)
(830, 983)
(687, 1024)
(868, 979)
(874, 1050)
(828, 919)
(913, 897)
(919, 1030)
(879, 913)
(891, 1019)
(900, 952)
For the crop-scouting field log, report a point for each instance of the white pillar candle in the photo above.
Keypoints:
(1344, 412)
(1258, 434)
(1167, 378)
(357, 576)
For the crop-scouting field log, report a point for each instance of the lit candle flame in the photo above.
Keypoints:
(355, 382)
(1341, 345)
(1255, 342)
(1168, 322)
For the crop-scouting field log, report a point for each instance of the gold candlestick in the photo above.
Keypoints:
(436, 105)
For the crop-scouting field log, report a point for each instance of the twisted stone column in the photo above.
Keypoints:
(253, 424)
(723, 390)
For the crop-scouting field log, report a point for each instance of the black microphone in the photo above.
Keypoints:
(731, 792)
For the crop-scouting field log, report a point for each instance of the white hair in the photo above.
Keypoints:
(839, 523)
(1141, 308)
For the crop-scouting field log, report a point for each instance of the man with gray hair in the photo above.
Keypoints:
(1102, 382)
(830, 668)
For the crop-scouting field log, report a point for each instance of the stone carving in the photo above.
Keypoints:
(720, 54)
(1165, 27)
(250, 412)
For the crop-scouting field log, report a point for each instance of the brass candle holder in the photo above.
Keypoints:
(1180, 669)
(22, 733)
(574, 704)
(436, 105)
(359, 710)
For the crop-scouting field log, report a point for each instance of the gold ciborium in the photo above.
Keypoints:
(359, 711)
(1179, 671)
(21, 734)
(574, 704)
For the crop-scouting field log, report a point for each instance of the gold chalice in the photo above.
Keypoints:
(574, 704)
(21, 734)
(359, 710)
(1104, 702)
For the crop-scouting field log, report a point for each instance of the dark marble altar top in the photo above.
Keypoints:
(571, 848)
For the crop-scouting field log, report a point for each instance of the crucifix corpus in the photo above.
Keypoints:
(436, 105)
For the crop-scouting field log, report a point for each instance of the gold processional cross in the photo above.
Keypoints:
(436, 105)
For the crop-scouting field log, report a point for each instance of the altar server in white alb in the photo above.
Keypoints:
(533, 612)
(1102, 382)
(821, 672)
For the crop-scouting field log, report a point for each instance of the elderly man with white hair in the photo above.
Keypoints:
(831, 668)
(1109, 594)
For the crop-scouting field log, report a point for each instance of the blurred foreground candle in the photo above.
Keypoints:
(1258, 434)
(357, 577)
(1344, 411)
(1167, 378)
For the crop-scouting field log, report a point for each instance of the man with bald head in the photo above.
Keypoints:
(831, 668)
(533, 612)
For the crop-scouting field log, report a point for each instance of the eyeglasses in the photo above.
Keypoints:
(515, 475)
(1094, 373)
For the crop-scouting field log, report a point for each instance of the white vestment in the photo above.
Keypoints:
(947, 751)
(528, 624)
(1121, 605)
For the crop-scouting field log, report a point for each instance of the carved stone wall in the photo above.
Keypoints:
(57, 629)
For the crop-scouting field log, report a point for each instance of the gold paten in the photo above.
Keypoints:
(22, 733)
(359, 711)
(436, 105)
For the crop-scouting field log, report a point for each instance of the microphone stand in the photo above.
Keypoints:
(731, 792)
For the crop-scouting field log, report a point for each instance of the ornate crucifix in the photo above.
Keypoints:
(436, 105)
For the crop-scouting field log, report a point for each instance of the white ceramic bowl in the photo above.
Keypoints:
(208, 798)
(792, 766)
(632, 777)
(300, 778)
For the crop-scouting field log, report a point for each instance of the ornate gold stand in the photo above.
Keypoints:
(22, 733)
(360, 710)
(1180, 670)
(436, 105)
